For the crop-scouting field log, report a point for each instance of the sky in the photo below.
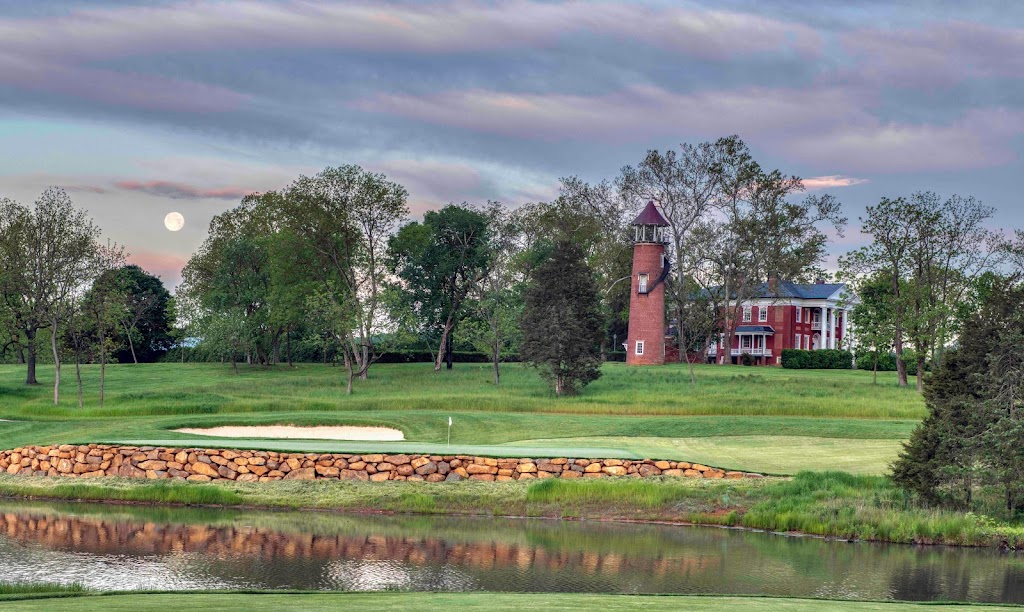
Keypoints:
(139, 109)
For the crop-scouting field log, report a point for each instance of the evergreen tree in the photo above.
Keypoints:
(562, 326)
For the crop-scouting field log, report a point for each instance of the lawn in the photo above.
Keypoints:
(401, 602)
(765, 419)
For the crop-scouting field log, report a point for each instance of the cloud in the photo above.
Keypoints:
(831, 181)
(819, 125)
(184, 191)
(935, 55)
(410, 27)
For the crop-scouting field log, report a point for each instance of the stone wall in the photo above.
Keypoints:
(203, 465)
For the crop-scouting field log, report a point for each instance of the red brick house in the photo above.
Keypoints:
(787, 315)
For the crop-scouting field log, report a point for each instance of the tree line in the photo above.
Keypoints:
(58, 279)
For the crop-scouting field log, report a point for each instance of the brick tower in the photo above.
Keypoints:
(645, 342)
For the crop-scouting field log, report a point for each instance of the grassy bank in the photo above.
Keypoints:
(401, 602)
(764, 420)
(830, 504)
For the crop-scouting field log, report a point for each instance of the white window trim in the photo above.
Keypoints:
(639, 347)
(746, 342)
(762, 314)
(799, 314)
(799, 341)
(747, 314)
(643, 280)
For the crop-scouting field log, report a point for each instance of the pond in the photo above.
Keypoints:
(126, 547)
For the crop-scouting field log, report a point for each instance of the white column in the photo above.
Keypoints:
(832, 329)
(824, 337)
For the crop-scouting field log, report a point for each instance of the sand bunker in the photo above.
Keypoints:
(322, 432)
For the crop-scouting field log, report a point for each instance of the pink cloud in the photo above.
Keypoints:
(184, 191)
(831, 181)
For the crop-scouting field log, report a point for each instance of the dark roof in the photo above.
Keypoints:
(755, 329)
(650, 215)
(789, 289)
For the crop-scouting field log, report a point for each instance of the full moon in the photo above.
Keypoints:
(174, 221)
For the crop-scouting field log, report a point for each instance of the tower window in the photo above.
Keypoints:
(639, 347)
(641, 285)
(762, 314)
(746, 314)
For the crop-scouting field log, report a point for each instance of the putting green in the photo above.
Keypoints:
(766, 454)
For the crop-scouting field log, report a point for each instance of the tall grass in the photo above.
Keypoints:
(157, 492)
(39, 588)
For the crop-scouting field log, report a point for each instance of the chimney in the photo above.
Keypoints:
(773, 282)
(819, 281)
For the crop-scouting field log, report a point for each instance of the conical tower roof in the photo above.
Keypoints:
(650, 215)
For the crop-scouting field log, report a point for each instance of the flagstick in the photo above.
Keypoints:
(449, 432)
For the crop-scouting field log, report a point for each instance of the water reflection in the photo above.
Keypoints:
(148, 548)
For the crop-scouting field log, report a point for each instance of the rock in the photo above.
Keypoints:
(560, 461)
(750, 475)
(571, 474)
(380, 476)
(248, 478)
(692, 474)
(734, 475)
(404, 470)
(548, 467)
(357, 465)
(204, 469)
(662, 465)
(181, 457)
(435, 477)
(64, 466)
(612, 462)
(615, 470)
(373, 458)
(328, 472)
(301, 474)
(542, 474)
(476, 468)
(452, 477)
(418, 461)
(397, 459)
(198, 478)
(592, 468)
(153, 464)
(700, 468)
(648, 470)
(526, 468)
(487, 477)
(427, 468)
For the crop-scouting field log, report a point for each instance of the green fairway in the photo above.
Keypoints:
(757, 419)
(401, 602)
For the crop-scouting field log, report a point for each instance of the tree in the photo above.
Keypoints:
(872, 316)
(930, 251)
(145, 320)
(493, 326)
(561, 324)
(103, 306)
(343, 217)
(47, 253)
(438, 263)
(971, 435)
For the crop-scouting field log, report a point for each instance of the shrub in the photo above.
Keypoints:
(747, 359)
(828, 359)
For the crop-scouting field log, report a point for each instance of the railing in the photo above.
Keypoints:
(756, 352)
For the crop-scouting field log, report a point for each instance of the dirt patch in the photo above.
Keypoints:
(320, 432)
